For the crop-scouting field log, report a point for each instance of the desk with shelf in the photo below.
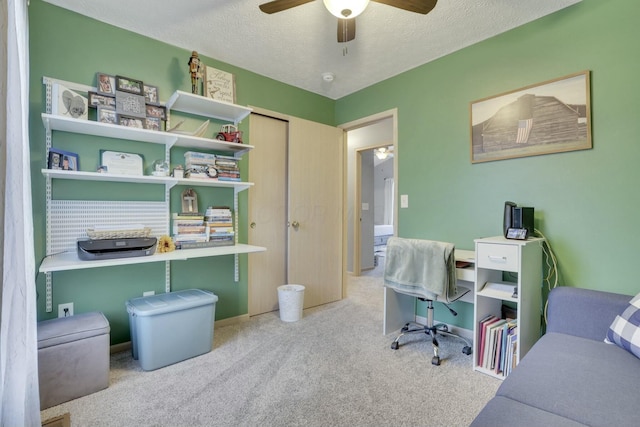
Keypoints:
(400, 308)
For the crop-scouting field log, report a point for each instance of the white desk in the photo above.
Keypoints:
(400, 309)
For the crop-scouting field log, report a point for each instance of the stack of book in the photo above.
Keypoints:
(199, 165)
(227, 167)
(219, 224)
(212, 166)
(189, 228)
(498, 344)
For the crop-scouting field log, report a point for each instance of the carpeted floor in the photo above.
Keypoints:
(332, 368)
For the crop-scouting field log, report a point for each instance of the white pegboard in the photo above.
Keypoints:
(70, 219)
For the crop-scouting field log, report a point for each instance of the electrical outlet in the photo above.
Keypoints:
(148, 293)
(65, 310)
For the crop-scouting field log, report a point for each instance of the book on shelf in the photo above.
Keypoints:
(207, 244)
(188, 215)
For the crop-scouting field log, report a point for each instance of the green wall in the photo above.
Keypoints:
(586, 202)
(71, 47)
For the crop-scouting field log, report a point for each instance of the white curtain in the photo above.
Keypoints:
(19, 396)
(388, 201)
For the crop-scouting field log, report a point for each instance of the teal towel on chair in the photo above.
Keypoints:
(424, 268)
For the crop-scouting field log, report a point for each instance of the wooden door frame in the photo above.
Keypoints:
(356, 124)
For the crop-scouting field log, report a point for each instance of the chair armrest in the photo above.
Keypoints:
(583, 312)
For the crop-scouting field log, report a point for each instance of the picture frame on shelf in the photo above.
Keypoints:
(63, 160)
(122, 163)
(127, 84)
(151, 94)
(107, 114)
(131, 122)
(96, 99)
(130, 104)
(105, 84)
(219, 85)
(153, 123)
(157, 111)
(68, 103)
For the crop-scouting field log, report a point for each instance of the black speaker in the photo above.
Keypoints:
(523, 218)
(508, 214)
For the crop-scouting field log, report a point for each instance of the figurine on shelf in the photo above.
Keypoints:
(194, 70)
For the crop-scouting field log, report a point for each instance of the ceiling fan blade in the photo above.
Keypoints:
(280, 5)
(417, 6)
(346, 30)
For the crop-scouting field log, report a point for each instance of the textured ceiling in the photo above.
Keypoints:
(298, 45)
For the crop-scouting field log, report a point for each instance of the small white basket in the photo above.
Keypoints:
(290, 299)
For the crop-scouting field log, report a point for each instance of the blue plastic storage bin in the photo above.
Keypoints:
(168, 328)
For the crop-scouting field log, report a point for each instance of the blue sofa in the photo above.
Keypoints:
(571, 377)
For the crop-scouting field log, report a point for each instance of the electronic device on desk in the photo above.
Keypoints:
(517, 221)
(99, 249)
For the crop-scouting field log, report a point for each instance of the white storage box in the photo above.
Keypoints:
(168, 328)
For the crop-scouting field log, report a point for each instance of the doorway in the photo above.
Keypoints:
(363, 136)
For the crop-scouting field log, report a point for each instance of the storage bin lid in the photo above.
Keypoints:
(169, 302)
(73, 328)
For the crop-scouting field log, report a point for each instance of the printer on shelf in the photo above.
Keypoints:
(99, 249)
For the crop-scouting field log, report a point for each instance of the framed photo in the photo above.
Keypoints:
(121, 163)
(105, 84)
(130, 104)
(153, 123)
(63, 160)
(157, 111)
(132, 122)
(219, 85)
(151, 94)
(548, 117)
(107, 115)
(68, 103)
(95, 99)
(126, 84)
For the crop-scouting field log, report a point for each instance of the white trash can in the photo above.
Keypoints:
(290, 299)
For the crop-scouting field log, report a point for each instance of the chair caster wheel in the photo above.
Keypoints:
(435, 360)
(405, 328)
(466, 350)
(395, 345)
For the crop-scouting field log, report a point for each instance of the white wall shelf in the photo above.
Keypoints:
(202, 106)
(64, 236)
(70, 261)
(144, 179)
(107, 130)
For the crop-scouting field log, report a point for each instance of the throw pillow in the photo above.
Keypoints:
(625, 329)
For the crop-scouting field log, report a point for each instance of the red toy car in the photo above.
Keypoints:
(230, 133)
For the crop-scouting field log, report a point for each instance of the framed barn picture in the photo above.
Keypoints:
(549, 117)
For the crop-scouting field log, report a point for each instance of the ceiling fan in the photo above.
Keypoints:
(347, 10)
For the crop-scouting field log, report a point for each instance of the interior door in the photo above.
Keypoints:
(316, 165)
(267, 212)
(367, 206)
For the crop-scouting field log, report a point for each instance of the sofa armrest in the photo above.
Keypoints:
(583, 312)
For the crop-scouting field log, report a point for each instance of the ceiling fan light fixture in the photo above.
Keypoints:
(346, 9)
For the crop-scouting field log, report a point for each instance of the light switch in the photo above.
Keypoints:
(404, 200)
(365, 206)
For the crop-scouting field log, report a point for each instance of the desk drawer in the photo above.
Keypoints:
(497, 257)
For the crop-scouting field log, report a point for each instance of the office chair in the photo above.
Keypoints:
(424, 269)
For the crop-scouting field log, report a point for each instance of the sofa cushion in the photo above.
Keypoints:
(502, 411)
(587, 381)
(625, 329)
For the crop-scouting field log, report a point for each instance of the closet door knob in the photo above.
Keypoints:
(252, 225)
(295, 225)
